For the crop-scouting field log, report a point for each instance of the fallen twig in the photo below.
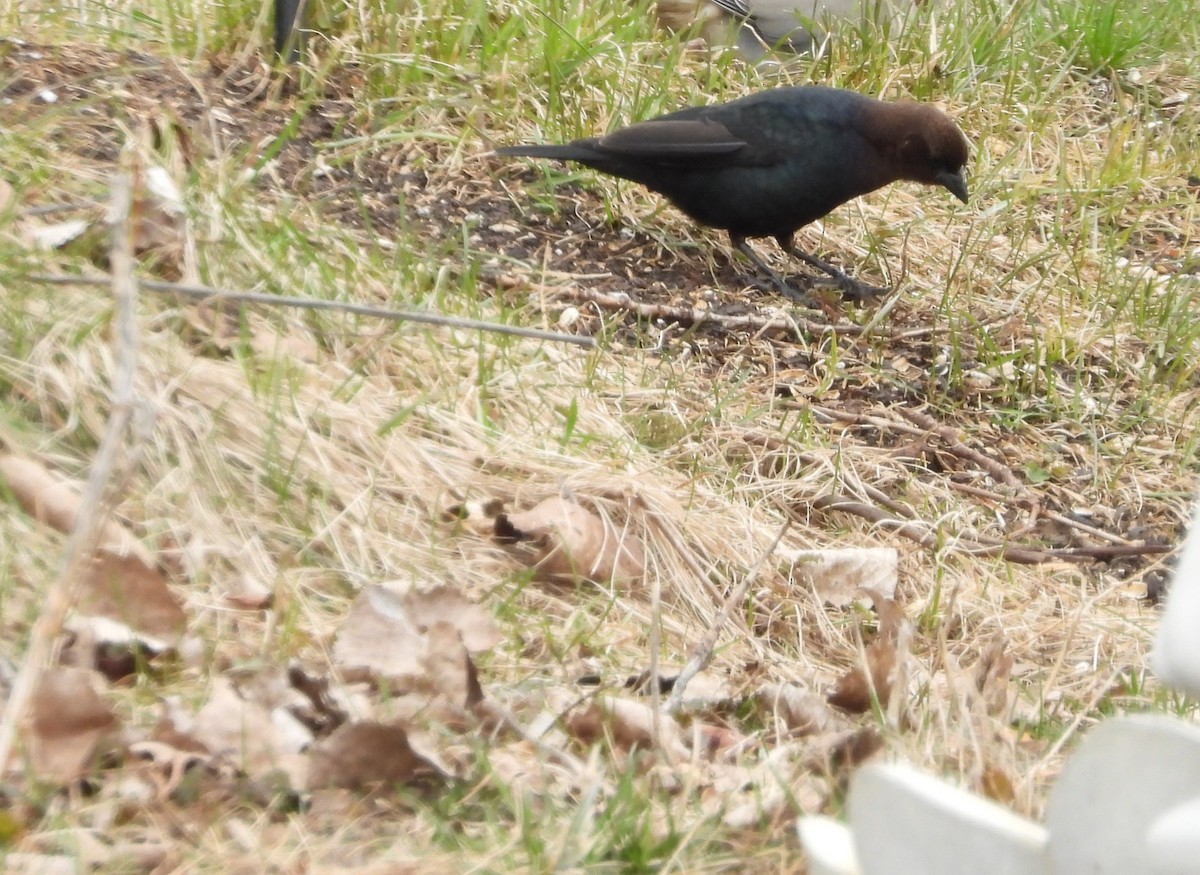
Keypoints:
(904, 521)
(980, 546)
(924, 424)
(906, 528)
(1000, 473)
(206, 293)
(99, 495)
(702, 653)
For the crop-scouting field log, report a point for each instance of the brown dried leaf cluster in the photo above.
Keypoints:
(123, 596)
(559, 538)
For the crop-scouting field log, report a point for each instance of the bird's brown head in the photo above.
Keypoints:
(924, 145)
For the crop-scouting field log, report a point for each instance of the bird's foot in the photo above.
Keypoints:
(859, 292)
(773, 281)
(775, 284)
(828, 288)
(852, 289)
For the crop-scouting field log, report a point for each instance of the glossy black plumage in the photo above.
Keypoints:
(288, 20)
(771, 163)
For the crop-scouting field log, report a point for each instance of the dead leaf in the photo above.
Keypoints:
(839, 577)
(159, 221)
(55, 235)
(110, 648)
(853, 691)
(712, 740)
(747, 795)
(68, 720)
(162, 187)
(629, 723)
(570, 541)
(7, 197)
(892, 619)
(163, 766)
(802, 711)
(39, 864)
(324, 705)
(368, 755)
(125, 590)
(447, 604)
(54, 501)
(251, 595)
(254, 738)
(996, 785)
(390, 633)
(707, 691)
(448, 666)
(478, 516)
(164, 759)
(847, 750)
(992, 673)
(761, 804)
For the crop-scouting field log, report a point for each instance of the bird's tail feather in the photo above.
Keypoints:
(564, 152)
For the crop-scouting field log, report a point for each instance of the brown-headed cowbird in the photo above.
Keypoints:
(755, 26)
(768, 164)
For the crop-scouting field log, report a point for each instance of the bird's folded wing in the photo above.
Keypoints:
(671, 139)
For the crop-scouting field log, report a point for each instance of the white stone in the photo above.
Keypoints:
(909, 823)
(1125, 775)
(1176, 657)
(1173, 843)
(828, 847)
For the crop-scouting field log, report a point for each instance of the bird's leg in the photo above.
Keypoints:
(852, 289)
(777, 281)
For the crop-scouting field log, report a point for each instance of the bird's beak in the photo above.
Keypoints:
(956, 183)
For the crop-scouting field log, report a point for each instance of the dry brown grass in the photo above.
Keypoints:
(315, 454)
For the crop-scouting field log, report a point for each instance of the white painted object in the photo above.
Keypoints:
(908, 823)
(1173, 842)
(1127, 802)
(1176, 657)
(1124, 777)
(828, 847)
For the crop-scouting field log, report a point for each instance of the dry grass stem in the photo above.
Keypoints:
(109, 469)
(702, 653)
(218, 296)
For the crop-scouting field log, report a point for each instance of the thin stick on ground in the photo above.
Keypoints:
(703, 652)
(98, 496)
(978, 545)
(207, 294)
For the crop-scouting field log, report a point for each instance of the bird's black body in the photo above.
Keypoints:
(768, 164)
(288, 15)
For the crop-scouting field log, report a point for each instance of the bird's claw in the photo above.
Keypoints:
(860, 293)
(850, 289)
